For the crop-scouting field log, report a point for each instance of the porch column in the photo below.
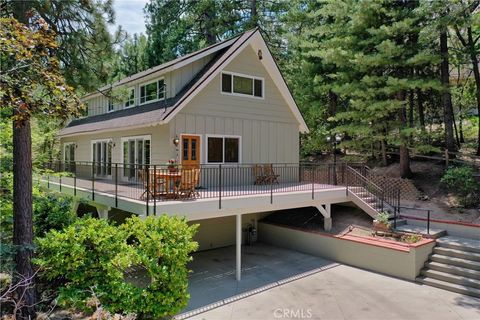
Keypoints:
(103, 212)
(327, 222)
(239, 246)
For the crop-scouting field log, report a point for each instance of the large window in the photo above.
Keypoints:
(131, 98)
(242, 85)
(223, 149)
(152, 91)
(102, 157)
(69, 156)
(136, 154)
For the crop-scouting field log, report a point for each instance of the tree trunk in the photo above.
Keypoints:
(446, 95)
(411, 106)
(384, 153)
(405, 171)
(421, 110)
(476, 74)
(22, 220)
(22, 199)
(253, 14)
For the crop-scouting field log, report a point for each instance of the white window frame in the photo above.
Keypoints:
(144, 137)
(107, 140)
(158, 91)
(64, 153)
(223, 155)
(128, 99)
(244, 76)
(110, 101)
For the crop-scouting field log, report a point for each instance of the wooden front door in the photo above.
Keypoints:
(190, 151)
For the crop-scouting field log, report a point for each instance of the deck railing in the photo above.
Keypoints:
(154, 183)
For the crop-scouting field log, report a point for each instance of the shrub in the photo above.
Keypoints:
(383, 217)
(460, 181)
(87, 255)
(94, 255)
(52, 211)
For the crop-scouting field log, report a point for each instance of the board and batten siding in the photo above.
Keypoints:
(161, 145)
(269, 130)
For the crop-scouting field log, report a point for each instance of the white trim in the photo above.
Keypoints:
(64, 153)
(158, 91)
(257, 42)
(223, 154)
(180, 150)
(163, 68)
(99, 140)
(143, 137)
(128, 99)
(243, 76)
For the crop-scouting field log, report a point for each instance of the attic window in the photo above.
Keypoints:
(242, 85)
(152, 91)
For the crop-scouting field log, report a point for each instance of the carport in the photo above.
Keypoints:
(263, 266)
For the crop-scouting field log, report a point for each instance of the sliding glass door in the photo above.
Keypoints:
(102, 158)
(136, 154)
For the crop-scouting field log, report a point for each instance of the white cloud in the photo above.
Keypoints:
(129, 14)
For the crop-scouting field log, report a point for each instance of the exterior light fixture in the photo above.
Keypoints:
(260, 55)
(111, 144)
(176, 141)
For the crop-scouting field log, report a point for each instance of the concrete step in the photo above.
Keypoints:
(434, 233)
(449, 286)
(468, 255)
(459, 243)
(448, 268)
(459, 262)
(452, 278)
(400, 222)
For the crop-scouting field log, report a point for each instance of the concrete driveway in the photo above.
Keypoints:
(213, 277)
(331, 292)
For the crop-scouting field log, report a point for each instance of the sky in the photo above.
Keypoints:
(129, 14)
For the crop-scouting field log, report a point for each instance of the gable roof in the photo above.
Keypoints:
(162, 112)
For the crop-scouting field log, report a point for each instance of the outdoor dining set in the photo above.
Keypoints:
(183, 182)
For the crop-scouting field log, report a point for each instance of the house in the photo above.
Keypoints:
(224, 111)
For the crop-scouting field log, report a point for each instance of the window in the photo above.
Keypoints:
(110, 105)
(131, 98)
(223, 149)
(242, 85)
(136, 154)
(152, 91)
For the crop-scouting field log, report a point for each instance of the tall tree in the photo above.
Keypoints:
(31, 83)
(131, 57)
(467, 30)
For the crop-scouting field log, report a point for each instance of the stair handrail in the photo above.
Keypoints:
(369, 185)
(389, 195)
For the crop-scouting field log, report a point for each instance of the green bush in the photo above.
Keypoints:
(94, 255)
(460, 181)
(52, 211)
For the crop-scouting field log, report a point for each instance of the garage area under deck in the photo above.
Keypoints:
(263, 266)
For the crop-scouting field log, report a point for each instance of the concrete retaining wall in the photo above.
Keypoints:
(405, 264)
(457, 229)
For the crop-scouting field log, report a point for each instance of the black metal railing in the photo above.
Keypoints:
(424, 215)
(154, 183)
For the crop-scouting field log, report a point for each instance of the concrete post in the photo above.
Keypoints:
(327, 224)
(239, 246)
(103, 212)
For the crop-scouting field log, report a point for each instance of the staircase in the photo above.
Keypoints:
(368, 196)
(454, 266)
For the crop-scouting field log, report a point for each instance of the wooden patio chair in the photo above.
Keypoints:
(258, 174)
(150, 186)
(270, 176)
(188, 182)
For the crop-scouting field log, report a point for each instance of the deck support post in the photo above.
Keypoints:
(239, 246)
(103, 212)
(326, 211)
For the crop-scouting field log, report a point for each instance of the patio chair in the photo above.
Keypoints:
(270, 176)
(188, 182)
(152, 185)
(258, 174)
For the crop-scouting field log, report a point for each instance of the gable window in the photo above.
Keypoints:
(223, 149)
(131, 98)
(244, 85)
(110, 105)
(152, 91)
